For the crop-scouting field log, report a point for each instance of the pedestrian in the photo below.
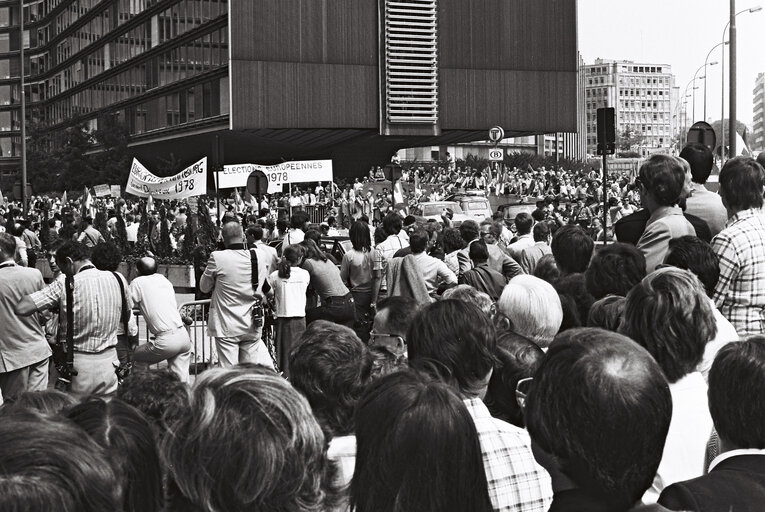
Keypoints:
(337, 304)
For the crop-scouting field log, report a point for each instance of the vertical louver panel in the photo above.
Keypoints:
(411, 58)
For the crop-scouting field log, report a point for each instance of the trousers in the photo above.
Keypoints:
(30, 378)
(246, 348)
(95, 372)
(174, 346)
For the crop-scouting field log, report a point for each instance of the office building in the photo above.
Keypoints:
(757, 141)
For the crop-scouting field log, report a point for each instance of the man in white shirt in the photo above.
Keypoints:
(155, 296)
(433, 271)
(298, 226)
(267, 256)
(392, 224)
(131, 228)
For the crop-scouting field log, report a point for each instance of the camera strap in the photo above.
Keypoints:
(69, 344)
(124, 316)
(255, 269)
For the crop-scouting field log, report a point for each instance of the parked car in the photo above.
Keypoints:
(423, 212)
(511, 210)
(474, 203)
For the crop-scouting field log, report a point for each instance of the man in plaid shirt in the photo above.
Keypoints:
(740, 247)
(458, 340)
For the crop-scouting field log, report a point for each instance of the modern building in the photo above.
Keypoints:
(642, 95)
(757, 141)
(265, 81)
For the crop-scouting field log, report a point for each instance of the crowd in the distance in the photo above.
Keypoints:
(432, 368)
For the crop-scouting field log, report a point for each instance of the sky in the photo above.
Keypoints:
(679, 33)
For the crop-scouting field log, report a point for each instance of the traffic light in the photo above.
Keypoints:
(606, 131)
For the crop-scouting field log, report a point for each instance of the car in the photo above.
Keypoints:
(474, 203)
(336, 246)
(423, 212)
(511, 210)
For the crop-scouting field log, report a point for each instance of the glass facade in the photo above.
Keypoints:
(156, 64)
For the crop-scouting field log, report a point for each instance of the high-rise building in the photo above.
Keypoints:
(757, 141)
(641, 94)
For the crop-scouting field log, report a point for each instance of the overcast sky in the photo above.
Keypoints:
(679, 33)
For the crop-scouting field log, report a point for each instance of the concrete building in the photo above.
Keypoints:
(757, 141)
(643, 95)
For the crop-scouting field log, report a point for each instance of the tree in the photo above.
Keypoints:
(629, 138)
(113, 161)
(740, 127)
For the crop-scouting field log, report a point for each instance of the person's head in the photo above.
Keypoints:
(361, 239)
(292, 256)
(736, 388)
(418, 241)
(128, 442)
(479, 252)
(456, 340)
(488, 234)
(547, 269)
(761, 159)
(51, 464)
(331, 366)
(391, 323)
(49, 401)
(254, 233)
(311, 250)
(299, 219)
(741, 184)
(471, 295)
(452, 240)
(518, 358)
(7, 247)
(694, 254)
(669, 314)
(72, 255)
(663, 180)
(572, 248)
(541, 232)
(469, 230)
(523, 223)
(273, 454)
(417, 449)
(598, 410)
(607, 313)
(614, 269)
(159, 394)
(701, 160)
(533, 308)
(392, 224)
(232, 234)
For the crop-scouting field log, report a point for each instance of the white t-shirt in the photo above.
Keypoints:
(132, 232)
(289, 294)
(155, 296)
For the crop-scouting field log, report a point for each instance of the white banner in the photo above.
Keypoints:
(192, 181)
(102, 190)
(303, 171)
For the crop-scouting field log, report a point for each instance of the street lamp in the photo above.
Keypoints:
(695, 87)
(705, 73)
(732, 24)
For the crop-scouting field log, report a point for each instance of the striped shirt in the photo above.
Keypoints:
(97, 308)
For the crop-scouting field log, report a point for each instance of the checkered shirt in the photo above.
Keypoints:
(385, 251)
(516, 482)
(740, 291)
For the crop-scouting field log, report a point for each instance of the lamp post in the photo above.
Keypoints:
(705, 73)
(695, 87)
(731, 23)
(24, 198)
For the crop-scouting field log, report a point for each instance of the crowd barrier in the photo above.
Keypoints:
(316, 212)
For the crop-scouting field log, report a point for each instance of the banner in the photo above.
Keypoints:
(115, 191)
(302, 171)
(192, 181)
(102, 190)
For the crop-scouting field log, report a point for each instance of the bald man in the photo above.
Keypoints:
(229, 277)
(155, 296)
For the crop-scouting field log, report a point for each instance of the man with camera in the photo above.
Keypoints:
(92, 304)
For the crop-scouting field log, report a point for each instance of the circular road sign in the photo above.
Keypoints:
(496, 133)
(496, 155)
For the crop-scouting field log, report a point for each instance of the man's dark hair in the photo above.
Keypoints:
(478, 251)
(601, 407)
(331, 367)
(607, 313)
(547, 269)
(106, 256)
(664, 178)
(418, 241)
(298, 219)
(761, 159)
(700, 159)
(469, 230)
(694, 254)
(76, 251)
(255, 232)
(572, 290)
(539, 214)
(572, 249)
(541, 231)
(456, 340)
(7, 244)
(741, 182)
(401, 312)
(392, 223)
(523, 223)
(158, 393)
(736, 388)
(614, 270)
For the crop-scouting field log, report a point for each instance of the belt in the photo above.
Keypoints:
(339, 299)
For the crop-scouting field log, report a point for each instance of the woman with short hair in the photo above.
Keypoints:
(360, 271)
(337, 304)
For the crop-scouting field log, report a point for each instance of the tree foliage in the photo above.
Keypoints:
(629, 139)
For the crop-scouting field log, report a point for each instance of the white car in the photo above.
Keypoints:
(474, 203)
(423, 212)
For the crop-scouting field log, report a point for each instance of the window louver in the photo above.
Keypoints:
(411, 58)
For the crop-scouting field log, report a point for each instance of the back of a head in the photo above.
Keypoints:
(607, 313)
(255, 232)
(761, 159)
(127, 440)
(314, 235)
(417, 449)
(478, 252)
(614, 270)
(523, 223)
(664, 178)
(392, 224)
(452, 240)
(669, 314)
(49, 401)
(361, 239)
(519, 358)
(694, 254)
(533, 308)
(741, 183)
(572, 249)
(541, 232)
(456, 339)
(467, 293)
(547, 269)
(51, 464)
(736, 388)
(273, 457)
(701, 160)
(146, 266)
(331, 366)
(159, 394)
(594, 381)
(418, 241)
(7, 245)
(469, 230)
(232, 233)
(298, 219)
(71, 250)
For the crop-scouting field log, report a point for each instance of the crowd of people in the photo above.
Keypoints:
(432, 367)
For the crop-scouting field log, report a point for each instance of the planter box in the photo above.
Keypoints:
(181, 276)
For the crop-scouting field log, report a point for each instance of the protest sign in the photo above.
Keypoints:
(102, 190)
(192, 181)
(115, 191)
(303, 171)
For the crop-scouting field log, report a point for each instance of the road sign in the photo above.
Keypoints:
(703, 133)
(496, 134)
(496, 155)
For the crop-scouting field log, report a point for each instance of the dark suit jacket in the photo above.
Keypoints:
(577, 500)
(736, 484)
(485, 279)
(629, 229)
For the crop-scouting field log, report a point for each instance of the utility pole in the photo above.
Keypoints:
(732, 102)
(24, 198)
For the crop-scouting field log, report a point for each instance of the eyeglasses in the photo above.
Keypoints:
(521, 390)
(393, 342)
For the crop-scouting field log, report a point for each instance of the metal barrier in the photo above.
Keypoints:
(316, 212)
